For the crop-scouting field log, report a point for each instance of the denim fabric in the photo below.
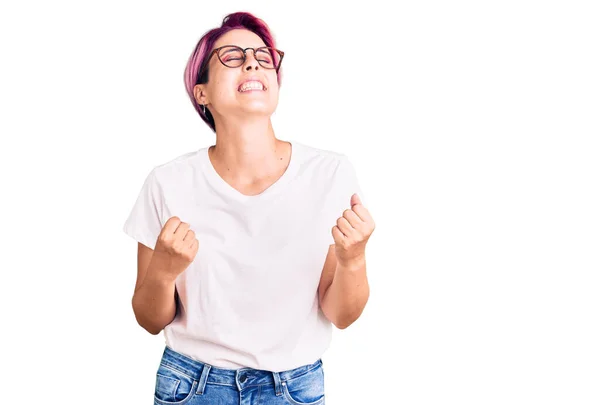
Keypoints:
(183, 380)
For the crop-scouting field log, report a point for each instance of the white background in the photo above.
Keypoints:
(473, 127)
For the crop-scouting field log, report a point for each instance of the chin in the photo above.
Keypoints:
(259, 109)
(261, 113)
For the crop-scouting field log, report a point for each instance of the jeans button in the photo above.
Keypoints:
(243, 378)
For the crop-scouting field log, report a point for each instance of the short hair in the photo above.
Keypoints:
(238, 20)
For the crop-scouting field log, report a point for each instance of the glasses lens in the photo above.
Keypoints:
(232, 56)
(268, 57)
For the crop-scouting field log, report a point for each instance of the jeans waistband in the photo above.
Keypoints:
(240, 378)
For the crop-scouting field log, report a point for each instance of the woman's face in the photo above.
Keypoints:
(223, 92)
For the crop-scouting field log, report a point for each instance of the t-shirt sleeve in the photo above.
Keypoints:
(145, 219)
(345, 184)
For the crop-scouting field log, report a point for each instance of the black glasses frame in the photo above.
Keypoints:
(216, 51)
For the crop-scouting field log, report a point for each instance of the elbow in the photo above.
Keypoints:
(152, 331)
(343, 322)
(336, 320)
(342, 326)
(147, 326)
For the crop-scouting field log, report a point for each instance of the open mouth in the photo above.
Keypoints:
(252, 85)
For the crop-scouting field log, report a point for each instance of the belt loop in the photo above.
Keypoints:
(203, 378)
(278, 390)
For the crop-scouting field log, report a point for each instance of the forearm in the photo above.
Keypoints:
(153, 302)
(348, 293)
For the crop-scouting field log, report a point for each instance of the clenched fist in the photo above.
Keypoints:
(177, 244)
(352, 231)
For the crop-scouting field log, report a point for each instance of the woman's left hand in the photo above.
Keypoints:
(352, 231)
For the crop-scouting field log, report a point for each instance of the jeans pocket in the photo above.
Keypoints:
(173, 387)
(307, 389)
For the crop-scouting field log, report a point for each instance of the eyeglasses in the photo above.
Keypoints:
(233, 56)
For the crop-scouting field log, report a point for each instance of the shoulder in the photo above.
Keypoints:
(177, 167)
(325, 159)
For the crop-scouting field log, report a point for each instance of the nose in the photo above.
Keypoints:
(250, 61)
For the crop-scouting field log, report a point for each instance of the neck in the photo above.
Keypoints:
(247, 150)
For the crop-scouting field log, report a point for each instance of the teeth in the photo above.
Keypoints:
(253, 85)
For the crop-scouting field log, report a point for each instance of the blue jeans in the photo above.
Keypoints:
(183, 380)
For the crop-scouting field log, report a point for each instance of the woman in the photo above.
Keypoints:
(248, 250)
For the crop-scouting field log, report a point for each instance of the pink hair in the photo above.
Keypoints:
(239, 20)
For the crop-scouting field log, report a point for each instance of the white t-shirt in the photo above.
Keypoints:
(249, 298)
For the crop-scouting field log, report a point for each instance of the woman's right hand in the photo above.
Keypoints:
(177, 245)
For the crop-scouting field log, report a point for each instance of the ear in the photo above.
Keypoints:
(200, 94)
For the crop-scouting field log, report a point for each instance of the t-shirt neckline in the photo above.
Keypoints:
(222, 186)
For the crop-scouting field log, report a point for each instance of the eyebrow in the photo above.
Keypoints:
(231, 50)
